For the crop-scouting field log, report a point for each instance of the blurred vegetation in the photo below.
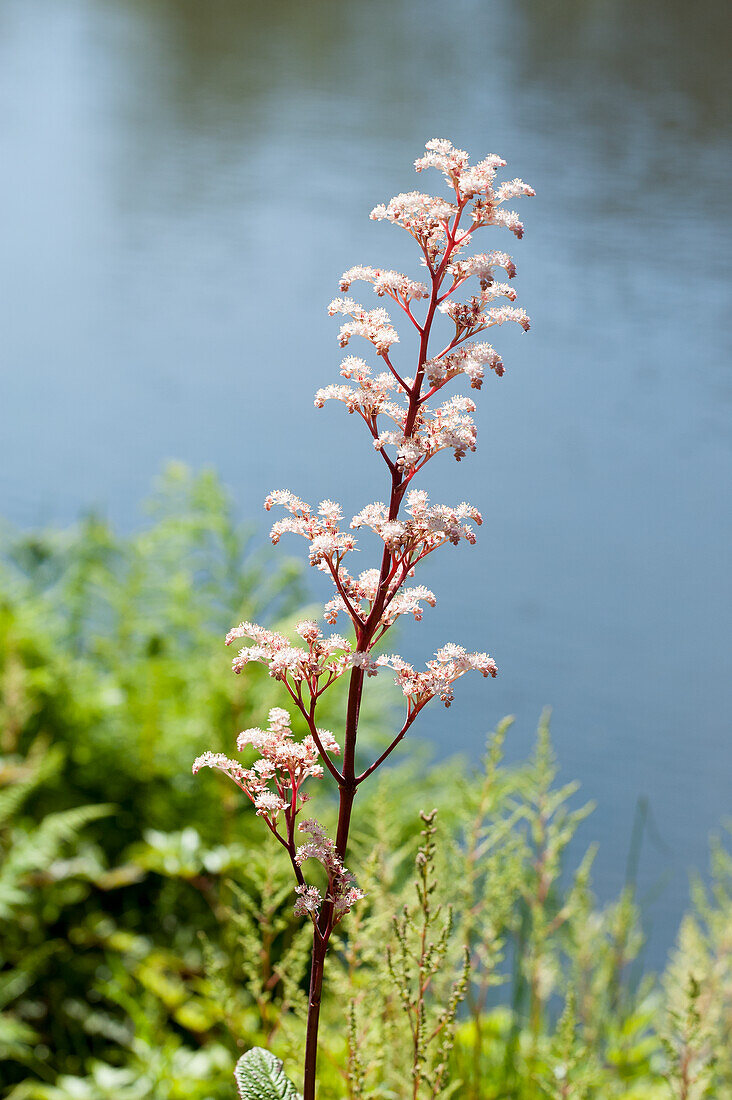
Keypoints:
(146, 928)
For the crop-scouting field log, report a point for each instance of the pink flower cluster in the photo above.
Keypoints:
(362, 591)
(342, 890)
(428, 219)
(470, 360)
(392, 283)
(424, 217)
(472, 317)
(315, 667)
(411, 439)
(273, 782)
(444, 428)
(374, 325)
(482, 266)
(373, 398)
(427, 528)
(326, 540)
(423, 529)
(450, 663)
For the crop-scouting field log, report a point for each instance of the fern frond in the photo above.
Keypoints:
(36, 851)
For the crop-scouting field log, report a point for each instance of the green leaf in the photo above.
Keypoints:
(261, 1076)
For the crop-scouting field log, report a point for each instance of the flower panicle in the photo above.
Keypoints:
(406, 443)
(363, 590)
(425, 527)
(273, 782)
(342, 891)
(322, 658)
(407, 429)
(321, 528)
(375, 325)
(433, 221)
(450, 663)
(390, 283)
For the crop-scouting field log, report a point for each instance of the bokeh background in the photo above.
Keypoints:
(182, 183)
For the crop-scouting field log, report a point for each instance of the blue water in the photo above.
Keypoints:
(183, 183)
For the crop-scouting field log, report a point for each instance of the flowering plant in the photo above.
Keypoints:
(407, 430)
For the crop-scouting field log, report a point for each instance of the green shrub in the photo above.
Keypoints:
(146, 930)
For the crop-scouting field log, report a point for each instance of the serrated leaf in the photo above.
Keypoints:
(261, 1076)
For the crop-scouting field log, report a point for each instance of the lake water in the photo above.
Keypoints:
(182, 183)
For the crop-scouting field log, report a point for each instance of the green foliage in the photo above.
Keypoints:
(113, 677)
(261, 1076)
(414, 962)
(147, 937)
(548, 1007)
(697, 1031)
(36, 883)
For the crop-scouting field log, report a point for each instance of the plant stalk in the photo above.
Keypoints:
(364, 636)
